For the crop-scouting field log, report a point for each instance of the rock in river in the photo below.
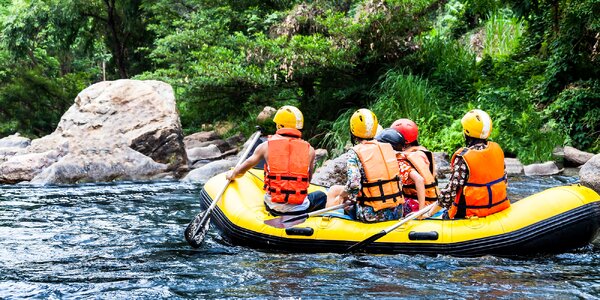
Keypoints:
(124, 129)
(590, 173)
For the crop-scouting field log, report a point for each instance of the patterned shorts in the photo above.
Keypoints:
(367, 214)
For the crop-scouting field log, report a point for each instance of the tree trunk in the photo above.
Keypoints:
(113, 23)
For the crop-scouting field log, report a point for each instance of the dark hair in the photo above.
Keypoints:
(470, 141)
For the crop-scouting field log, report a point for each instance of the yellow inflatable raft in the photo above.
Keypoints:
(556, 220)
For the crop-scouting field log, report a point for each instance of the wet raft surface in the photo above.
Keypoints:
(125, 240)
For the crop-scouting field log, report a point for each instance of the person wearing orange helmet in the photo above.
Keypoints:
(421, 159)
(289, 164)
(373, 182)
(477, 185)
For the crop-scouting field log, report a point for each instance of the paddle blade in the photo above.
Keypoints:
(197, 229)
(371, 239)
(286, 221)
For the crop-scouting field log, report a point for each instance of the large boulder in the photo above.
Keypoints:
(541, 169)
(92, 165)
(199, 139)
(513, 166)
(332, 172)
(576, 157)
(25, 167)
(590, 173)
(96, 138)
(209, 152)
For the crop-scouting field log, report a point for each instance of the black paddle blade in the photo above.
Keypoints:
(361, 244)
(286, 221)
(196, 230)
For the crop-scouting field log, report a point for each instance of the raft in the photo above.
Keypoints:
(555, 220)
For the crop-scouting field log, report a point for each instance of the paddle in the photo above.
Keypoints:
(197, 229)
(289, 221)
(382, 233)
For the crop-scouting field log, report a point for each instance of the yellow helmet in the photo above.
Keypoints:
(363, 124)
(289, 117)
(477, 124)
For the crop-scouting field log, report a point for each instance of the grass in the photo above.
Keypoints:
(502, 34)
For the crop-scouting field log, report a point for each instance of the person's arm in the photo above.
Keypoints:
(311, 170)
(419, 186)
(353, 185)
(432, 211)
(458, 177)
(250, 162)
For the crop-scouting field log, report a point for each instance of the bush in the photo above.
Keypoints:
(577, 110)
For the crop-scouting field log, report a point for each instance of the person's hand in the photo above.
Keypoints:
(428, 214)
(229, 175)
(349, 202)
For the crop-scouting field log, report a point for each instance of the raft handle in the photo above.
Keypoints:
(423, 236)
(305, 231)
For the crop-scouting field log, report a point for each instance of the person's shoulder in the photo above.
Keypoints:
(261, 148)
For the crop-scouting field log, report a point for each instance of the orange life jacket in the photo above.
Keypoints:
(484, 193)
(288, 166)
(381, 188)
(422, 160)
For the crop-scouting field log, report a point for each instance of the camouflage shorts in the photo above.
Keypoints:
(369, 215)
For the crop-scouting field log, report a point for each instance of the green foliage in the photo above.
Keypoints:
(337, 136)
(533, 65)
(404, 96)
(577, 111)
(518, 127)
(449, 64)
(33, 104)
(502, 34)
(446, 137)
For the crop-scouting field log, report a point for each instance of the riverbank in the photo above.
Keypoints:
(130, 130)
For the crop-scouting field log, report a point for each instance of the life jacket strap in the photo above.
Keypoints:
(481, 206)
(289, 178)
(486, 184)
(362, 199)
(288, 192)
(379, 182)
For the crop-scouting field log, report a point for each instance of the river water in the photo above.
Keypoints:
(125, 240)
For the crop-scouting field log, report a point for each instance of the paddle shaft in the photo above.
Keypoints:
(317, 212)
(216, 200)
(411, 217)
(382, 233)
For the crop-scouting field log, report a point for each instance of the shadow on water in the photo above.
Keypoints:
(125, 241)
